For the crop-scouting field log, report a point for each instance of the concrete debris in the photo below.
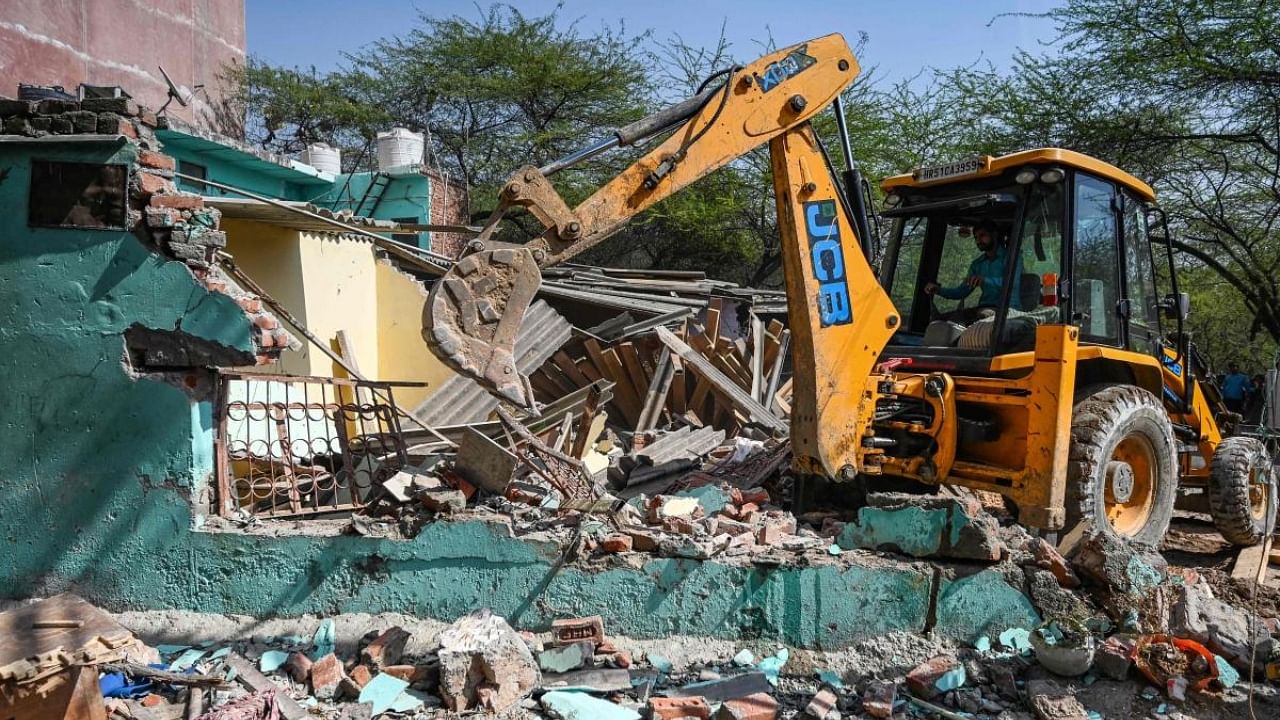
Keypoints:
(1233, 633)
(484, 664)
(925, 526)
(938, 675)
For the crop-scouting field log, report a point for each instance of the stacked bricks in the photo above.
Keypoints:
(175, 222)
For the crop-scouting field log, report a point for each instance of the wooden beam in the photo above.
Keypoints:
(1251, 563)
(656, 398)
(739, 397)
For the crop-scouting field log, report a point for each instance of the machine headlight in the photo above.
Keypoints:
(1052, 175)
(1025, 176)
(892, 200)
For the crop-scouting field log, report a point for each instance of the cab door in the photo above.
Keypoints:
(1141, 306)
(1095, 262)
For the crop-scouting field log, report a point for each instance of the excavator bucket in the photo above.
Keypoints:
(474, 313)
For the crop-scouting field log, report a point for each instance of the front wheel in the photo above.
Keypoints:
(1242, 497)
(1122, 474)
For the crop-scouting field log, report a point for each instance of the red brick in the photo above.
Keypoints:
(127, 129)
(298, 666)
(326, 676)
(759, 706)
(405, 672)
(266, 339)
(642, 540)
(878, 699)
(153, 700)
(757, 496)
(216, 286)
(622, 659)
(822, 704)
(572, 630)
(672, 708)
(361, 675)
(679, 525)
(159, 161)
(1048, 557)
(262, 359)
(386, 649)
(155, 185)
(616, 543)
(924, 678)
(249, 304)
(185, 201)
(266, 322)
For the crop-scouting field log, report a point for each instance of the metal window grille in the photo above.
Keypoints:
(290, 446)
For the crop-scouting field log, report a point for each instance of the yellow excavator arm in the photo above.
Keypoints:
(840, 317)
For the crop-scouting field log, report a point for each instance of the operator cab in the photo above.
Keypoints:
(1068, 245)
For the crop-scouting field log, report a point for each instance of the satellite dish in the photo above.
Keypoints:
(174, 92)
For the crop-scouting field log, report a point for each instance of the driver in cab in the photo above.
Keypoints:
(986, 271)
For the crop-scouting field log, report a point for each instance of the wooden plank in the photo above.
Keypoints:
(775, 372)
(678, 398)
(757, 357)
(1251, 563)
(721, 383)
(631, 361)
(624, 395)
(656, 398)
(567, 366)
(712, 329)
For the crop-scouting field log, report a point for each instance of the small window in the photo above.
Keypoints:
(194, 170)
(1140, 276)
(406, 238)
(78, 195)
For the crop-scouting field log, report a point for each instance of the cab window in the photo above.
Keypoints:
(1140, 280)
(1095, 282)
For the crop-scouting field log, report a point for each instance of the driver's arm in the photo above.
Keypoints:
(964, 289)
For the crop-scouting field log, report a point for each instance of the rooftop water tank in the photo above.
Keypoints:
(323, 158)
(399, 147)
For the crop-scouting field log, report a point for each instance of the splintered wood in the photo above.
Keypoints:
(693, 375)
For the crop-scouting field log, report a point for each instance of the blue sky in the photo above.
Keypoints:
(905, 37)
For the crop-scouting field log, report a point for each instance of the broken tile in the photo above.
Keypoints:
(564, 658)
(381, 692)
(580, 706)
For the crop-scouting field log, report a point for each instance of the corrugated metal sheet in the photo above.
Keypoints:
(461, 400)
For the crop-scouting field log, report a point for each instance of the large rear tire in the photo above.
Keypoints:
(1242, 491)
(1122, 473)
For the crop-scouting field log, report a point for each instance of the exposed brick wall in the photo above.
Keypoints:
(450, 205)
(121, 42)
(176, 224)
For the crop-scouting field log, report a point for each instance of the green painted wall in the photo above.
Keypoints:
(406, 196)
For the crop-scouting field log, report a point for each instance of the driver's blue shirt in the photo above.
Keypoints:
(991, 270)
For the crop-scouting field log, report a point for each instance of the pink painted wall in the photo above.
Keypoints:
(121, 42)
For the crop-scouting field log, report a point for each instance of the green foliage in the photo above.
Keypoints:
(289, 109)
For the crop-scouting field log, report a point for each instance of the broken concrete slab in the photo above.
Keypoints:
(1223, 628)
(564, 658)
(924, 526)
(725, 688)
(484, 663)
(598, 680)
(1119, 566)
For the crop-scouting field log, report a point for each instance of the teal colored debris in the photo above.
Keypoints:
(744, 658)
(1016, 639)
(834, 549)
(271, 660)
(324, 640)
(1094, 715)
(1142, 577)
(831, 678)
(1162, 708)
(982, 644)
(311, 701)
(564, 659)
(1130, 622)
(409, 701)
(1099, 625)
(186, 660)
(772, 665)
(580, 706)
(220, 653)
(382, 691)
(1227, 675)
(710, 497)
(1090, 678)
(1149, 693)
(205, 644)
(951, 679)
(171, 649)
(660, 664)
(292, 641)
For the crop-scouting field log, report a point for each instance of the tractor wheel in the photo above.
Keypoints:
(1122, 472)
(1242, 498)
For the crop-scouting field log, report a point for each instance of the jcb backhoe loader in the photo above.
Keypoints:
(1066, 385)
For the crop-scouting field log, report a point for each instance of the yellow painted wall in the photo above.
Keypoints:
(272, 256)
(333, 284)
(402, 353)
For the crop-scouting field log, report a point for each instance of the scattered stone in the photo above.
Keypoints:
(1048, 558)
(674, 708)
(484, 662)
(822, 704)
(1223, 628)
(385, 649)
(879, 697)
(572, 630)
(298, 666)
(757, 706)
(935, 676)
(326, 676)
(1125, 567)
(1051, 702)
(443, 500)
(360, 675)
(1051, 599)
(1113, 657)
(564, 658)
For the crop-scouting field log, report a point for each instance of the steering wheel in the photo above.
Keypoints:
(962, 315)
